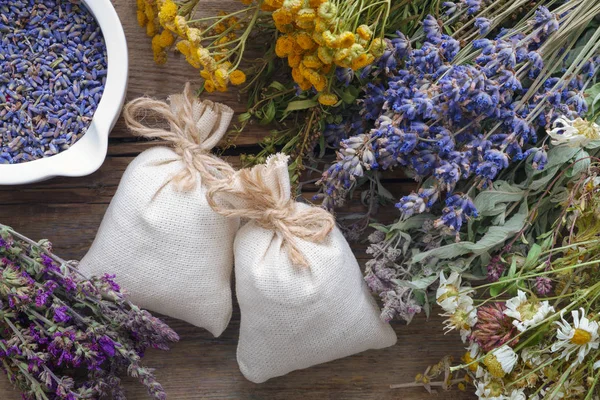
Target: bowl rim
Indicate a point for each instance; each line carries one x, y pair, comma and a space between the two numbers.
88, 154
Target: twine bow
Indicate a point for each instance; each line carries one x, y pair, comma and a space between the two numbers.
262, 194
196, 127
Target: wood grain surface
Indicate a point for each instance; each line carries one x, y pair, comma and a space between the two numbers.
69, 211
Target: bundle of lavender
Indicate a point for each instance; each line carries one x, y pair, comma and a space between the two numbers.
63, 336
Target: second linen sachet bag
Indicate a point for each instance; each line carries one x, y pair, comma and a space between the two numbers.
302, 296
160, 237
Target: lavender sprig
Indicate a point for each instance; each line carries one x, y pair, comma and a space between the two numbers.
63, 336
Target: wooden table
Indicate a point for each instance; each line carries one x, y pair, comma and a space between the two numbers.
69, 211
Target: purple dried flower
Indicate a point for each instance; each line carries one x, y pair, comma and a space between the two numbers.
61, 315
543, 285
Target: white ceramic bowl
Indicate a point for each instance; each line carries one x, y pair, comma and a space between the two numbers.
89, 152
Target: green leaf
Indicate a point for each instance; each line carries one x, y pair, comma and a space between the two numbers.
419, 284
532, 256
592, 96
495, 236
244, 117
416, 221
301, 105
496, 289
277, 86
489, 202
513, 268
593, 144
268, 113
582, 163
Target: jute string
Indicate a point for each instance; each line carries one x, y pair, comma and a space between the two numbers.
193, 134
272, 210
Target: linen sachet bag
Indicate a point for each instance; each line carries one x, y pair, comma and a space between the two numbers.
160, 237
301, 293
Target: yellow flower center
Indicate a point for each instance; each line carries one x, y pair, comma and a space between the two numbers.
581, 337
527, 310
586, 128
494, 366
468, 360
451, 291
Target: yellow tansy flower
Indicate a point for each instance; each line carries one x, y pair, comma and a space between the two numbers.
304, 85
330, 39
274, 3
325, 55
209, 86
346, 39
184, 47
328, 99
284, 46
327, 10
141, 18
220, 28
151, 29
312, 61
362, 61
321, 25
167, 12
364, 32
221, 77
149, 11
237, 77
166, 38
378, 47
194, 35
294, 60
179, 26
283, 16
292, 5
306, 15
205, 74
316, 3
305, 41
297, 75
321, 84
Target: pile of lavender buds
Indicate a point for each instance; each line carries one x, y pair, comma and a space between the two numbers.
53, 69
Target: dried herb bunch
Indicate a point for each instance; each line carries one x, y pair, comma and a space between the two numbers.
63, 336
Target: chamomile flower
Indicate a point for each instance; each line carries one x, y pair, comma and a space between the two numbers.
489, 388
501, 361
461, 318
517, 394
579, 338
525, 312
450, 293
575, 133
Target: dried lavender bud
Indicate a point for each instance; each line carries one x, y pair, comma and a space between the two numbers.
63, 336
53, 68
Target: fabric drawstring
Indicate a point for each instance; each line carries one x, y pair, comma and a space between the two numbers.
196, 127
258, 194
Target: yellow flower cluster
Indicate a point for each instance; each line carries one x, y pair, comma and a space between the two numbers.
314, 42
167, 28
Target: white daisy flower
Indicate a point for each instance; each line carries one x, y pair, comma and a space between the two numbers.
450, 294
489, 388
517, 394
462, 318
576, 133
526, 313
579, 338
501, 361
